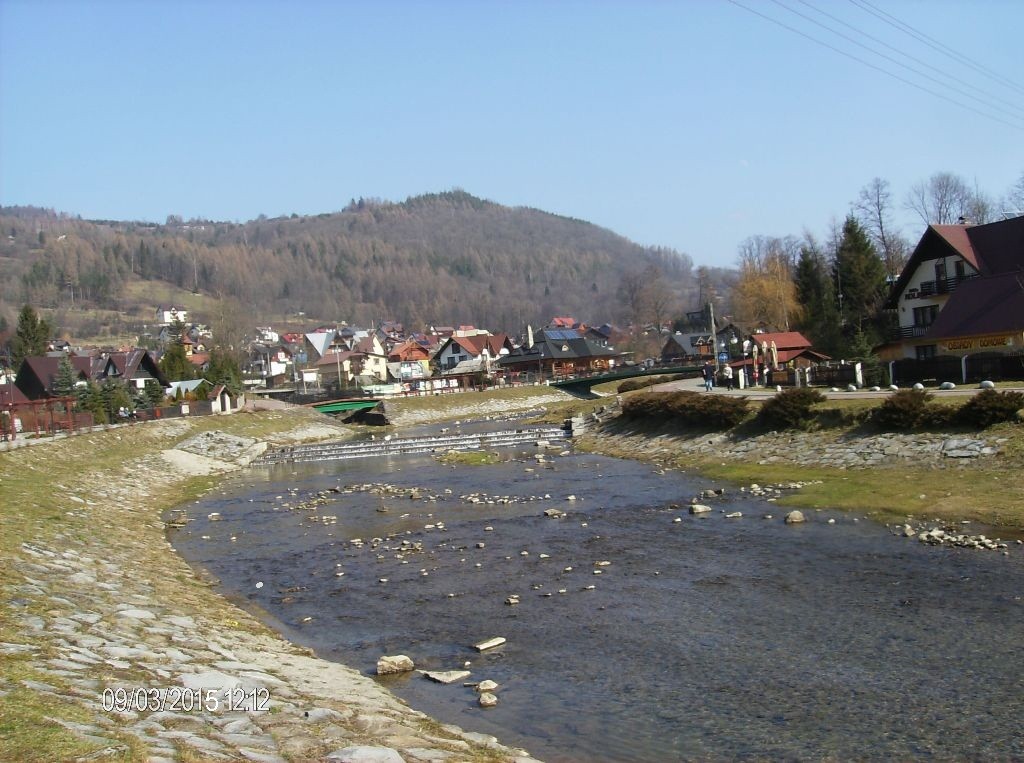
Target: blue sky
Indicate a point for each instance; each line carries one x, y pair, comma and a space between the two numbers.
691, 125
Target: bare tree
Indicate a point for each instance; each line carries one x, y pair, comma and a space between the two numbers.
1012, 204
874, 209
766, 292
941, 200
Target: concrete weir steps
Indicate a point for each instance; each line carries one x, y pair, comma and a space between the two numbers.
403, 445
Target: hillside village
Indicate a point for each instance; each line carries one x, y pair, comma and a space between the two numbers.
945, 326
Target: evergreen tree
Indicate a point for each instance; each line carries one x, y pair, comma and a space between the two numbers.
115, 397
175, 363
154, 393
91, 399
816, 292
224, 369
64, 381
860, 280
31, 338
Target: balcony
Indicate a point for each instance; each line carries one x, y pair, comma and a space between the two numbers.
943, 286
908, 332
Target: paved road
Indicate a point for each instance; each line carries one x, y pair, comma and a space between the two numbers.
755, 393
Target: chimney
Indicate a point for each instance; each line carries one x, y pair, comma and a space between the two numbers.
529, 336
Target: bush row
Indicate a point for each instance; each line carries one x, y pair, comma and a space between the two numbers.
648, 381
693, 409
913, 409
794, 409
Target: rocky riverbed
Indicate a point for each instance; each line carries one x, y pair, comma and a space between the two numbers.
121, 643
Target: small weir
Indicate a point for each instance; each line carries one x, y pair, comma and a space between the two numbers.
404, 445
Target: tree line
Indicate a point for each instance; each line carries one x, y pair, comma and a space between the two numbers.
832, 289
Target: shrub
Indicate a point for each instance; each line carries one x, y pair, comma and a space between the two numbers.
989, 407
791, 408
630, 385
905, 409
691, 409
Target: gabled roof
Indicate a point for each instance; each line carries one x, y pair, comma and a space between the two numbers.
784, 340
11, 394
990, 249
37, 373
320, 341
986, 305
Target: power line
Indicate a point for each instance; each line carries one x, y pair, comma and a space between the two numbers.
877, 68
891, 20
903, 53
895, 61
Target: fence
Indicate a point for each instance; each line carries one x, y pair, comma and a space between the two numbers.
971, 368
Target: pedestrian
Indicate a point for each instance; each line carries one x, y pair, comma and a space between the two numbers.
727, 373
708, 372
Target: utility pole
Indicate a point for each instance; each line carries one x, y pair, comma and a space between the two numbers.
714, 334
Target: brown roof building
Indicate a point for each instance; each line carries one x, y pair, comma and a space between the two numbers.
961, 293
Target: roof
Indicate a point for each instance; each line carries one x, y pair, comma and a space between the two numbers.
320, 340
332, 358
11, 394
991, 248
987, 305
191, 385
784, 340
44, 369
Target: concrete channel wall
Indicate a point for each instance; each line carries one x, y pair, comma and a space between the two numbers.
403, 445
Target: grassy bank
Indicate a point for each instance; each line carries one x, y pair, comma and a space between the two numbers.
984, 490
92, 504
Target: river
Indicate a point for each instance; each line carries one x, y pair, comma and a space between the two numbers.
705, 638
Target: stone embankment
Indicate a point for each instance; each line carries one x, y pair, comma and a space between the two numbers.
120, 642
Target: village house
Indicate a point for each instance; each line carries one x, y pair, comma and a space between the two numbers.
558, 353
134, 368
960, 294
171, 314
478, 347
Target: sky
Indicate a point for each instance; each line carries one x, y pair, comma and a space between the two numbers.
684, 124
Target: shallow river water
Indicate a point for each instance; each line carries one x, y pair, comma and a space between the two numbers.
704, 639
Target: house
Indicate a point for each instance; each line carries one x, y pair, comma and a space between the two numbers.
559, 352
198, 389
316, 344
338, 367
37, 374
134, 368
459, 349
780, 349
171, 314
375, 357
408, 361
961, 293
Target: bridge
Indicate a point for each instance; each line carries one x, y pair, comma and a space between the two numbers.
582, 385
345, 404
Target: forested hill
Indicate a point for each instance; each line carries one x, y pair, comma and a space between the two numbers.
438, 258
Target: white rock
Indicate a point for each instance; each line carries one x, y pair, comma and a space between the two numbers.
488, 700
446, 676
365, 754
987, 385
947, 385
398, 663
486, 685
734, 515
699, 508
489, 643
795, 517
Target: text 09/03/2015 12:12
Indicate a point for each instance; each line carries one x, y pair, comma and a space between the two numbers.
181, 699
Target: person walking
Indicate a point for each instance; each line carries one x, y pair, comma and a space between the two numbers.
708, 373
727, 373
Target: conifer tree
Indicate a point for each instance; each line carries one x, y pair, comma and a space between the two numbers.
860, 279
31, 337
64, 381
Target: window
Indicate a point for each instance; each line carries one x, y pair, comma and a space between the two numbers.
940, 270
925, 351
925, 316
958, 268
